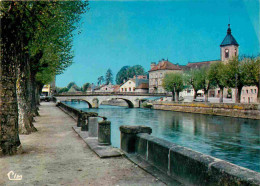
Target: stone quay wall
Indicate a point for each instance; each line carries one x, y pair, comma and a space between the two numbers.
183, 164
251, 111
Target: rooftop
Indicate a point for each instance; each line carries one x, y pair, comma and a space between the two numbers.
165, 65
229, 39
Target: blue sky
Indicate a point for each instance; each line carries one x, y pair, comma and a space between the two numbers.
119, 33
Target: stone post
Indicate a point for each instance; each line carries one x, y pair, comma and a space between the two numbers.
84, 126
128, 136
92, 126
80, 119
104, 132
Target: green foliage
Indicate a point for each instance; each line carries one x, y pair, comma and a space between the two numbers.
109, 76
85, 87
216, 74
100, 80
193, 78
147, 105
251, 70
127, 72
70, 85
122, 75
173, 82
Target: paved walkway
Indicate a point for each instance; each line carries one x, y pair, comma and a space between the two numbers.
55, 155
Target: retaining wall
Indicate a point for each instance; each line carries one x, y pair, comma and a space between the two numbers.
251, 111
191, 167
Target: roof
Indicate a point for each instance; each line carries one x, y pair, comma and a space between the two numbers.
229, 39
165, 65
200, 64
143, 86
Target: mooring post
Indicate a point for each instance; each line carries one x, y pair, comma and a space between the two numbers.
128, 136
80, 117
84, 126
92, 126
104, 132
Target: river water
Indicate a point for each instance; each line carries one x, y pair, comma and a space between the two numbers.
235, 140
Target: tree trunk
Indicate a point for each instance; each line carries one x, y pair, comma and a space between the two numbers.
221, 94
258, 91
173, 96
25, 116
9, 139
177, 96
195, 94
206, 93
238, 94
34, 97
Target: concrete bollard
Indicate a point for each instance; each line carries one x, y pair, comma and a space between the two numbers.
92, 126
80, 119
128, 136
104, 132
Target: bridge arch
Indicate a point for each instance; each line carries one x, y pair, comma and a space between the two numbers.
130, 104
89, 104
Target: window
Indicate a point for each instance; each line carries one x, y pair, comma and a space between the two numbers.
255, 90
129, 89
235, 52
126, 89
252, 91
122, 89
226, 53
134, 89
129, 82
247, 91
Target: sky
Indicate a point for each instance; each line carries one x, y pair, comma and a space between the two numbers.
119, 33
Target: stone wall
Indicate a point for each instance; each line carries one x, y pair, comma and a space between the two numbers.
251, 111
180, 163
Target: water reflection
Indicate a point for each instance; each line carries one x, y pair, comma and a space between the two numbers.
233, 139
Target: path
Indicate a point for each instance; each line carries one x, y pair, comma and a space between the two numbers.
55, 155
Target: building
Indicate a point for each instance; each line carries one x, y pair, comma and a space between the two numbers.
136, 84
128, 86
158, 72
228, 47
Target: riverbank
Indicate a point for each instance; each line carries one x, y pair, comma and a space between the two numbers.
55, 155
251, 111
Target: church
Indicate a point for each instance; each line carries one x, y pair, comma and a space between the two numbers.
229, 48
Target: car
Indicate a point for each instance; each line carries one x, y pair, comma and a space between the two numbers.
45, 98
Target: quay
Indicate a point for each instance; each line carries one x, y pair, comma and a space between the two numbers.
55, 155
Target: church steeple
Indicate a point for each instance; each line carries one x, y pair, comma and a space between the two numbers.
229, 46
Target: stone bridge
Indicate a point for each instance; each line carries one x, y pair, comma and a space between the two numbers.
95, 99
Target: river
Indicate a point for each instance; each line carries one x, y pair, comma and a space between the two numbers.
235, 140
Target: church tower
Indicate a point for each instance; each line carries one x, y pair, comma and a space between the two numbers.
228, 47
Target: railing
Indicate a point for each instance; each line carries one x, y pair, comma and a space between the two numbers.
110, 94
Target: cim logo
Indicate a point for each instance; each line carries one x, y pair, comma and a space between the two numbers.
13, 176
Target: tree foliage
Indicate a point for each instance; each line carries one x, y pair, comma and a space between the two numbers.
109, 77
173, 82
127, 72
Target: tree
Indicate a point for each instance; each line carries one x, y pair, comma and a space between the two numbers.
127, 72
121, 76
100, 80
217, 76
71, 84
9, 138
235, 75
109, 76
252, 73
34, 36
192, 77
173, 82
85, 87
204, 81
